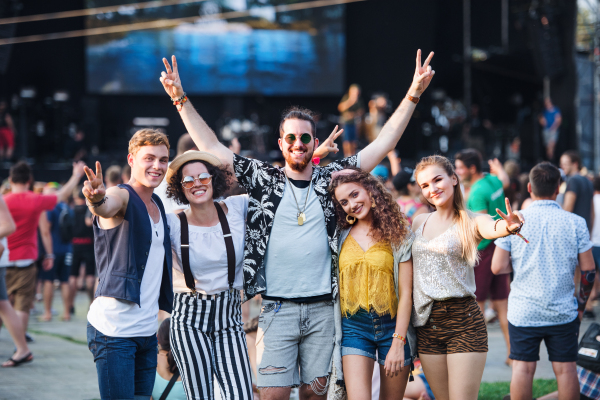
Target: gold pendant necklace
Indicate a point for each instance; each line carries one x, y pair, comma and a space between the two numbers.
301, 216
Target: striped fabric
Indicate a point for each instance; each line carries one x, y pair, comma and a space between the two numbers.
208, 342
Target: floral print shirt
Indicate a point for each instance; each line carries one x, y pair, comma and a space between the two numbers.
264, 184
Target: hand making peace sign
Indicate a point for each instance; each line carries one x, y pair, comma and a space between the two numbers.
170, 79
93, 188
329, 145
422, 77
513, 219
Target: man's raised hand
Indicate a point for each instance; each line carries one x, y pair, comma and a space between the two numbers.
170, 79
422, 77
329, 145
93, 187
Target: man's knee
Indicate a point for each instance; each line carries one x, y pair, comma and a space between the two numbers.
524, 367
275, 393
564, 368
315, 390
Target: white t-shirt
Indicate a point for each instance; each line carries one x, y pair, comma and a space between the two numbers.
596, 228
208, 254
169, 204
121, 318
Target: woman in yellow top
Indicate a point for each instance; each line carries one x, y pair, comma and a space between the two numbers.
375, 270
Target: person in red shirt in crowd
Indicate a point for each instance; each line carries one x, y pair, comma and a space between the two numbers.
26, 208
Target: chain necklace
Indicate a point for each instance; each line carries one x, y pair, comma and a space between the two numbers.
301, 215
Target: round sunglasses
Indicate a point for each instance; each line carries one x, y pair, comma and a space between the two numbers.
188, 181
305, 138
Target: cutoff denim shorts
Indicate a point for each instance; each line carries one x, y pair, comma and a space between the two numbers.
368, 334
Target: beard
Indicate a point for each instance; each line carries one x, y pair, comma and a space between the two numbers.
298, 166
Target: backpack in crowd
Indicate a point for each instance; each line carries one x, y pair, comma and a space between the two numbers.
66, 223
589, 349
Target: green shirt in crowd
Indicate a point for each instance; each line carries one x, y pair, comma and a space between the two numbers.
486, 195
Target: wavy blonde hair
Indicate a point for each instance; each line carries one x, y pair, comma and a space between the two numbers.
464, 219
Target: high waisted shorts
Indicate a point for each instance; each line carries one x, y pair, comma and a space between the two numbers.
454, 326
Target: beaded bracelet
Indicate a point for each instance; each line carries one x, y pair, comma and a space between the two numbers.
97, 204
398, 336
179, 99
179, 103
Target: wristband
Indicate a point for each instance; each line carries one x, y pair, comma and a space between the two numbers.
398, 336
50, 256
97, 204
413, 99
179, 103
179, 99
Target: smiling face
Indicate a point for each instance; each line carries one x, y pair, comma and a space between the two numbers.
149, 165
199, 193
297, 155
354, 199
437, 187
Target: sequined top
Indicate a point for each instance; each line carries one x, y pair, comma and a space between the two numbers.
439, 272
367, 278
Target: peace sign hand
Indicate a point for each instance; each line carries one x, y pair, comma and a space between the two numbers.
170, 79
514, 220
422, 77
329, 145
93, 188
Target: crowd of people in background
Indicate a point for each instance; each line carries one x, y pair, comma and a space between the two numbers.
422, 259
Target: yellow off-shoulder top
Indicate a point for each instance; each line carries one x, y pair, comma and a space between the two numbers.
367, 278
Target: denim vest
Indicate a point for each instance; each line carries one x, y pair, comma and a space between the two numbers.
122, 253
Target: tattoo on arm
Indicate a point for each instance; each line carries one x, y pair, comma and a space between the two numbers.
585, 287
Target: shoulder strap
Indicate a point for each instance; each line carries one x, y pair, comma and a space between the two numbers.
185, 253
170, 386
228, 245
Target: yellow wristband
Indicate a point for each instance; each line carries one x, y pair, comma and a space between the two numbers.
398, 336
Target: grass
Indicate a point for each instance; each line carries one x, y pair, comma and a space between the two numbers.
497, 390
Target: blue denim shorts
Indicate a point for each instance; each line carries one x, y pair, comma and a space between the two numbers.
368, 334
561, 342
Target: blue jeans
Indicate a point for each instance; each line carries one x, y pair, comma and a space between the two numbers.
126, 367
368, 334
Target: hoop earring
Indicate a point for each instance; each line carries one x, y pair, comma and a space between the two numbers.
348, 221
372, 203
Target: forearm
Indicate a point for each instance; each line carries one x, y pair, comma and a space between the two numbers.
403, 314
67, 189
585, 288
108, 209
490, 228
47, 241
389, 136
204, 137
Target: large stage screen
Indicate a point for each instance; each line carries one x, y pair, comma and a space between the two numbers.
232, 47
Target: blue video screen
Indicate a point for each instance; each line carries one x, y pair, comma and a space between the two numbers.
233, 47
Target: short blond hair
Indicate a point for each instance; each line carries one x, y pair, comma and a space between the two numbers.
147, 137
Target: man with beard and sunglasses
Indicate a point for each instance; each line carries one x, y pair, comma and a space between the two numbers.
290, 253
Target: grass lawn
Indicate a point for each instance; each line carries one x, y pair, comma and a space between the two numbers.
497, 390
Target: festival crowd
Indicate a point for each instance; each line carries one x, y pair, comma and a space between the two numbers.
355, 266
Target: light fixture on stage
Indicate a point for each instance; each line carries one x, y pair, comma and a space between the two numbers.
61, 96
28, 93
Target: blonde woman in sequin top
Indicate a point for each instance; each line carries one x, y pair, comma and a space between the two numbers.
451, 332
375, 275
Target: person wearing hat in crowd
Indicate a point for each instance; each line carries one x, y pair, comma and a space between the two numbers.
207, 337
133, 258
408, 192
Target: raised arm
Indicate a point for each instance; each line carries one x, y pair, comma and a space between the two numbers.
103, 203
65, 191
497, 169
491, 229
204, 137
392, 131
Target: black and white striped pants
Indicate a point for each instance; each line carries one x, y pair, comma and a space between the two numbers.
207, 341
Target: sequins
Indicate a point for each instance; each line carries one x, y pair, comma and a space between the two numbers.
439, 272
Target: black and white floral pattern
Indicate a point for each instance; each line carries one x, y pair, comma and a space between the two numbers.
264, 184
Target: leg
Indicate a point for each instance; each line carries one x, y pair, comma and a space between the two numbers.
277, 346
393, 388
522, 379
145, 367
501, 307
90, 287
15, 328
191, 348
435, 367
416, 390
358, 371
232, 365
115, 364
48, 294
65, 289
464, 375
566, 378
20, 285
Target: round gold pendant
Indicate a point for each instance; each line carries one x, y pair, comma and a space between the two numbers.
301, 219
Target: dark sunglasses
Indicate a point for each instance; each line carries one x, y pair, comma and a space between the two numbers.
188, 181
305, 138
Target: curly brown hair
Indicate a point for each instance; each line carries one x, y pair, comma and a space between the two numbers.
389, 223
222, 179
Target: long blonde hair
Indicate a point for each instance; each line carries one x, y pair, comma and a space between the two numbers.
464, 219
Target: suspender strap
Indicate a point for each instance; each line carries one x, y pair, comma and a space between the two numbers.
185, 249
228, 245
170, 386
185, 253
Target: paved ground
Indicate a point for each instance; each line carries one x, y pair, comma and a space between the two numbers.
64, 369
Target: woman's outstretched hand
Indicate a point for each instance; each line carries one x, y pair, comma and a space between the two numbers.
422, 77
170, 79
513, 219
